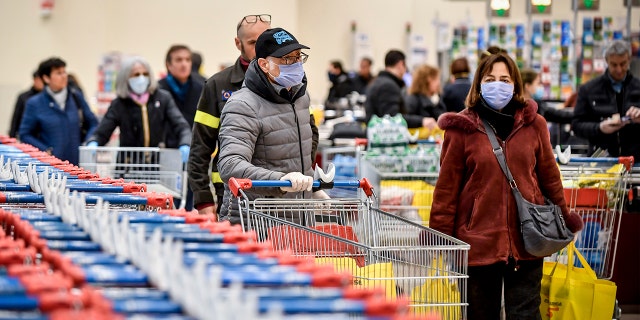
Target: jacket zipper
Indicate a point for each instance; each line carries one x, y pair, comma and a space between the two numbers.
295, 114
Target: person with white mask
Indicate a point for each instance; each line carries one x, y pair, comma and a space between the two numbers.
142, 111
265, 131
475, 203
58, 119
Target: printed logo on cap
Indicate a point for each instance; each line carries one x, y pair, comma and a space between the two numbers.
282, 36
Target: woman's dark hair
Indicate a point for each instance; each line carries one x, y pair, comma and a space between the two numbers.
491, 50
484, 67
460, 68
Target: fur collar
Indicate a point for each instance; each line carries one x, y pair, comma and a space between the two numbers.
468, 119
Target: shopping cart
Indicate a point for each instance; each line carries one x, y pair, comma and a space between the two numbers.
160, 169
596, 189
345, 159
405, 182
380, 249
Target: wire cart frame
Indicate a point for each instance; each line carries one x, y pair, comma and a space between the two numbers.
380, 249
159, 168
405, 184
596, 190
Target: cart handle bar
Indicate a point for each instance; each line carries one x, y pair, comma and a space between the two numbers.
626, 161
364, 142
242, 184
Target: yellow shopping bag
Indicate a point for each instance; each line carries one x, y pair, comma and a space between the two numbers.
569, 292
377, 275
439, 295
424, 133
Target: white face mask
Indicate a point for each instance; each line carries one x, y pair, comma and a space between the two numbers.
139, 84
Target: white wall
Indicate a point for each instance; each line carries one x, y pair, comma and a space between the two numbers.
80, 31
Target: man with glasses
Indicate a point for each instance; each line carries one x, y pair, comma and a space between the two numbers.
607, 112
215, 94
265, 131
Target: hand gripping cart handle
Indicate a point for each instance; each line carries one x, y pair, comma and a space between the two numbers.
242, 184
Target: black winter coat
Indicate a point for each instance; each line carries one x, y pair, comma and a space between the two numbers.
187, 107
454, 94
384, 96
597, 101
127, 115
418, 104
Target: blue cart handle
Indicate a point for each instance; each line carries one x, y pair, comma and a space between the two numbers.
242, 184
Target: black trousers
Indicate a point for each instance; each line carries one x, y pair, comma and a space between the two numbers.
521, 290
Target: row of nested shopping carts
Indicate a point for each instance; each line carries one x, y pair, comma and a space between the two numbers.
78, 245
595, 188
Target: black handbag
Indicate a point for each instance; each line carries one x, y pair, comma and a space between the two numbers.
544, 231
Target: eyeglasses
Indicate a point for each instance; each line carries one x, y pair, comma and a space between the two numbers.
293, 59
254, 18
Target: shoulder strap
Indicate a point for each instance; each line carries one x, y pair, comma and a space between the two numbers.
499, 153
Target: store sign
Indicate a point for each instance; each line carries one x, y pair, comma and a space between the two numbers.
588, 5
540, 9
500, 8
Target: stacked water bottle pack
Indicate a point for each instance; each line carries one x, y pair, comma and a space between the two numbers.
66, 254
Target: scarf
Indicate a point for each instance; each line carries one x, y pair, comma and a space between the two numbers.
244, 64
59, 97
140, 99
180, 89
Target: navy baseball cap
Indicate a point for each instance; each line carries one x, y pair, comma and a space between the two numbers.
276, 42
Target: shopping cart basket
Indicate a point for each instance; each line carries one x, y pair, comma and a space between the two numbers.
160, 169
380, 249
406, 183
596, 189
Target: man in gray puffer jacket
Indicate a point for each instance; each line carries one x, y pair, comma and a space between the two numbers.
265, 131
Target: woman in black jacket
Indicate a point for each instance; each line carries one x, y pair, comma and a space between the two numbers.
423, 99
141, 111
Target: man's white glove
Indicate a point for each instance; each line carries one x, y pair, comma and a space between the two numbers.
321, 195
299, 182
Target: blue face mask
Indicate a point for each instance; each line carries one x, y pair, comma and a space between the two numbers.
497, 94
139, 84
539, 94
290, 75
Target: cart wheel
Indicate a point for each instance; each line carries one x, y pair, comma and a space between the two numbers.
617, 311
